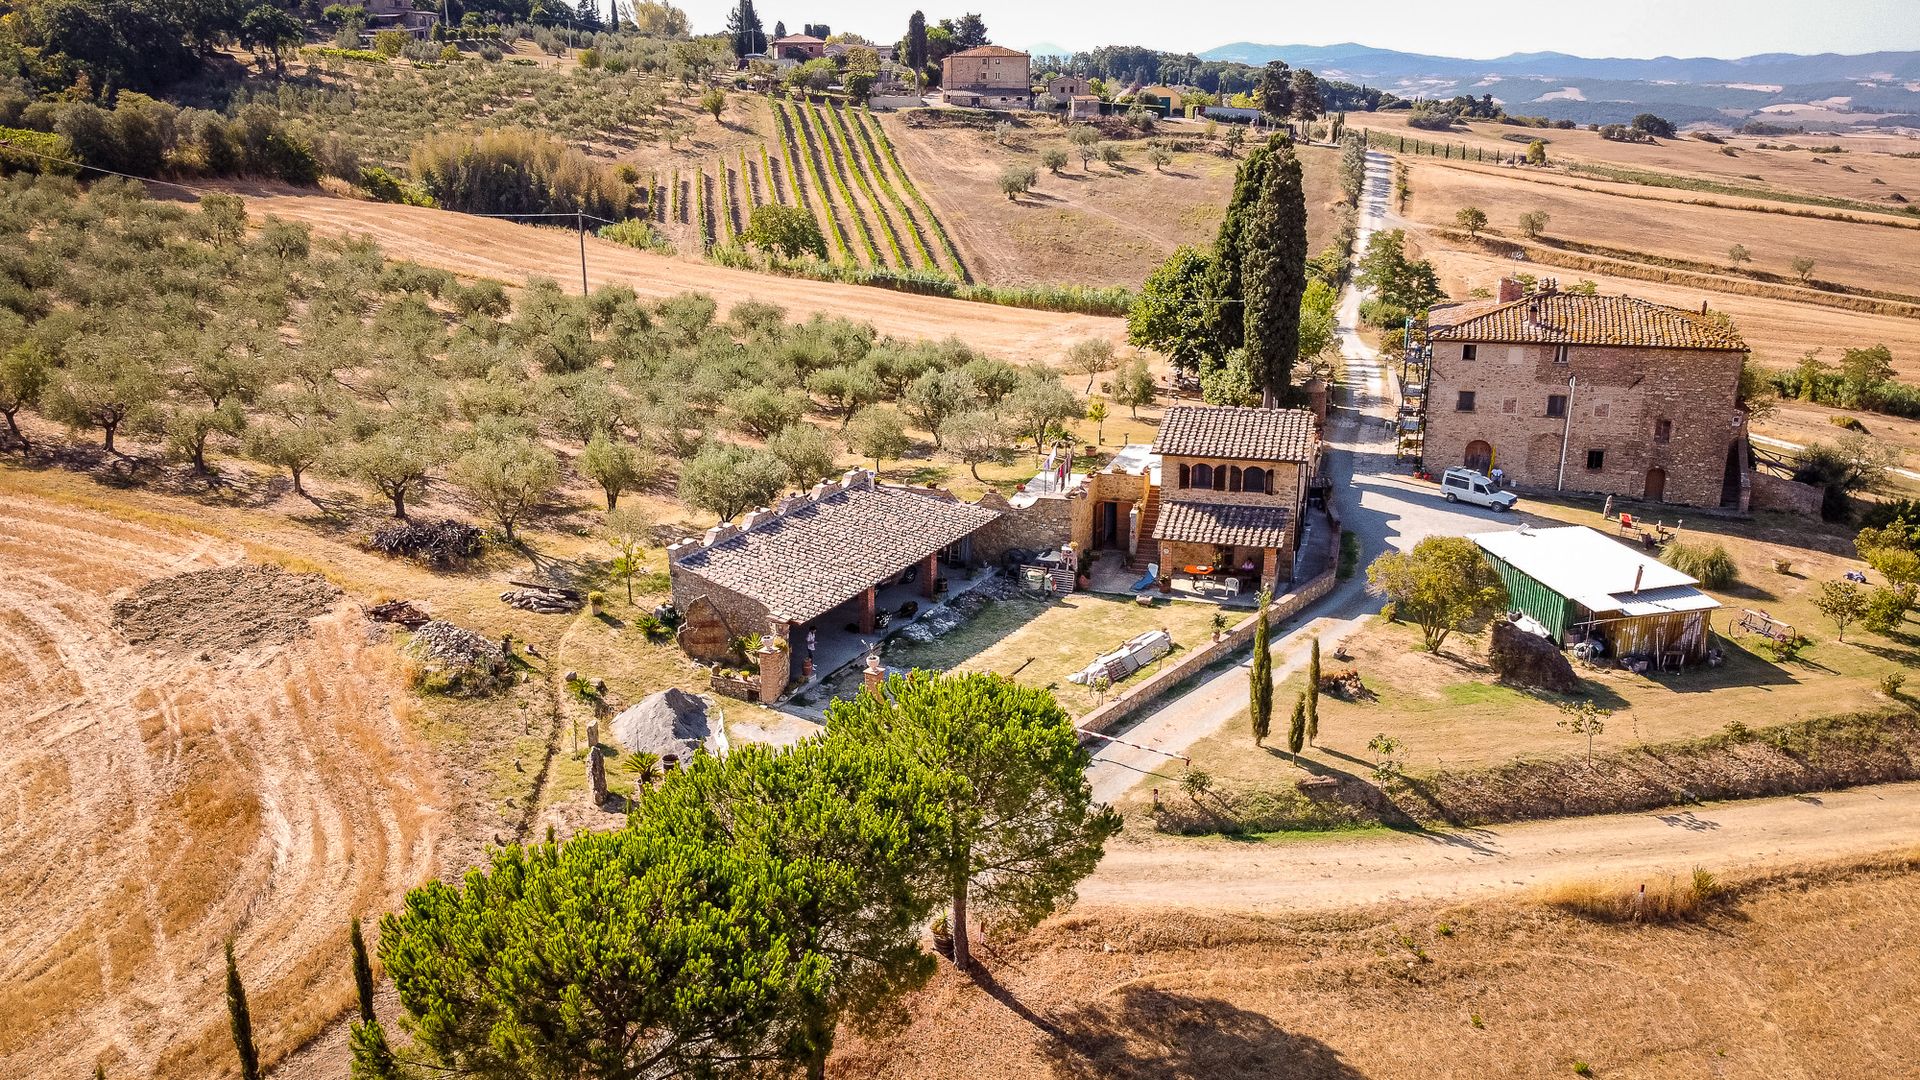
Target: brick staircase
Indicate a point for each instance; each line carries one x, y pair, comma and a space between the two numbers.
1148, 549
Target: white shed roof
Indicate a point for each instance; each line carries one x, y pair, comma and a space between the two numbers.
1598, 573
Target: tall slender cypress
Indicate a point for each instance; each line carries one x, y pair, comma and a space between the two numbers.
1313, 693
362, 971
1274, 275
241, 1020
1260, 676
1297, 730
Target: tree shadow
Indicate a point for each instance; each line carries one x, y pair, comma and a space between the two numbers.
1146, 1032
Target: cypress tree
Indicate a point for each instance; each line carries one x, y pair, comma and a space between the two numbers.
1274, 275
1260, 676
1226, 322
241, 1020
99, 1071
1297, 730
1313, 693
362, 971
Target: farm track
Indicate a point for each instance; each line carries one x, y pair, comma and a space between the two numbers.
511, 252
157, 805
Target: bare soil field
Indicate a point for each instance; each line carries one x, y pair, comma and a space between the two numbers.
510, 252
1858, 255
1848, 175
1087, 226
160, 802
1791, 978
1778, 331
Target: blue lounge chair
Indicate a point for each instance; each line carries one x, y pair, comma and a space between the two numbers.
1147, 579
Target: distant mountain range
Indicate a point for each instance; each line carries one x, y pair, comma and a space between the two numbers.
1824, 90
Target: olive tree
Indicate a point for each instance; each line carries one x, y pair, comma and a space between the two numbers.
508, 477
1443, 584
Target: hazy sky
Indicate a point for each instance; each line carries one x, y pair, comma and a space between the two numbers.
1477, 28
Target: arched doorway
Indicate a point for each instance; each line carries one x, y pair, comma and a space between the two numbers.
1479, 456
1656, 484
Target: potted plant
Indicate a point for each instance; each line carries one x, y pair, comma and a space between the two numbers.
1219, 625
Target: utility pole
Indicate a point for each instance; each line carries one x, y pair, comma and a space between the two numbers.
580, 223
1566, 434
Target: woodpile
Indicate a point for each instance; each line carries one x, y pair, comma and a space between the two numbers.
435, 543
1525, 659
455, 660
542, 599
402, 612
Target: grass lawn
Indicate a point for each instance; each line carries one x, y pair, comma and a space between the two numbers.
1041, 642
1448, 712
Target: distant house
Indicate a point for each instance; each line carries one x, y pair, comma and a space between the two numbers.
1062, 89
1164, 100
988, 77
398, 15
1608, 395
799, 48
1085, 107
1577, 586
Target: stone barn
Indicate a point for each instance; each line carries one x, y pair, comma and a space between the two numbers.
822, 559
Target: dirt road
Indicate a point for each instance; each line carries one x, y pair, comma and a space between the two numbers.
1225, 875
512, 252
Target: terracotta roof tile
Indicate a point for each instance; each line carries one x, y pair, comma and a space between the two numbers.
805, 563
1574, 319
1228, 432
1223, 523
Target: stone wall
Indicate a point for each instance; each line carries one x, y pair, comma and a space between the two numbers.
1621, 396
1289, 481
1772, 492
1047, 524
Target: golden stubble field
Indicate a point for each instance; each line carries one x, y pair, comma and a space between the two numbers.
157, 804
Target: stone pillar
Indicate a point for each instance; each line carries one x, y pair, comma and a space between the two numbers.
597, 775
868, 600
776, 661
929, 575
874, 676
1270, 570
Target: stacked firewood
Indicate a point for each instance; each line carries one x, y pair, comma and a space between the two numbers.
436, 543
543, 599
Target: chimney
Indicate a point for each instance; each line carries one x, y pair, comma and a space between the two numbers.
1511, 290
1638, 573
1533, 313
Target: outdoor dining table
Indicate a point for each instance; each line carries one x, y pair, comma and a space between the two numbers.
1199, 571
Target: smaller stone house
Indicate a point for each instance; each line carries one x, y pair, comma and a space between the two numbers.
987, 77
399, 15
1232, 491
1084, 107
1062, 89
822, 555
1606, 395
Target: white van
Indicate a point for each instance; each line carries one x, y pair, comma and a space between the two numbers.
1464, 485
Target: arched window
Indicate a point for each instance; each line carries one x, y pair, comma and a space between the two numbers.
1257, 481
1219, 478
1233, 477
1183, 476
1203, 476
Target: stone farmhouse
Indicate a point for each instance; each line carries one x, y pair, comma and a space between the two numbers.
1062, 89
798, 48
1232, 493
987, 77
1606, 395
398, 15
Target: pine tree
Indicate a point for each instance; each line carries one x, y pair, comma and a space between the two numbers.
240, 1020
1313, 693
1260, 676
362, 971
1297, 730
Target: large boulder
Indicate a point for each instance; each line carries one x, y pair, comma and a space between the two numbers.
1527, 659
670, 722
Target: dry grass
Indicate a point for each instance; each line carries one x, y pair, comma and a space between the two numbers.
1794, 978
1094, 226
1664, 900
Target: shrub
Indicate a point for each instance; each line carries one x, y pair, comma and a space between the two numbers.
517, 172
651, 628
1891, 682
635, 233
1674, 899
1711, 565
